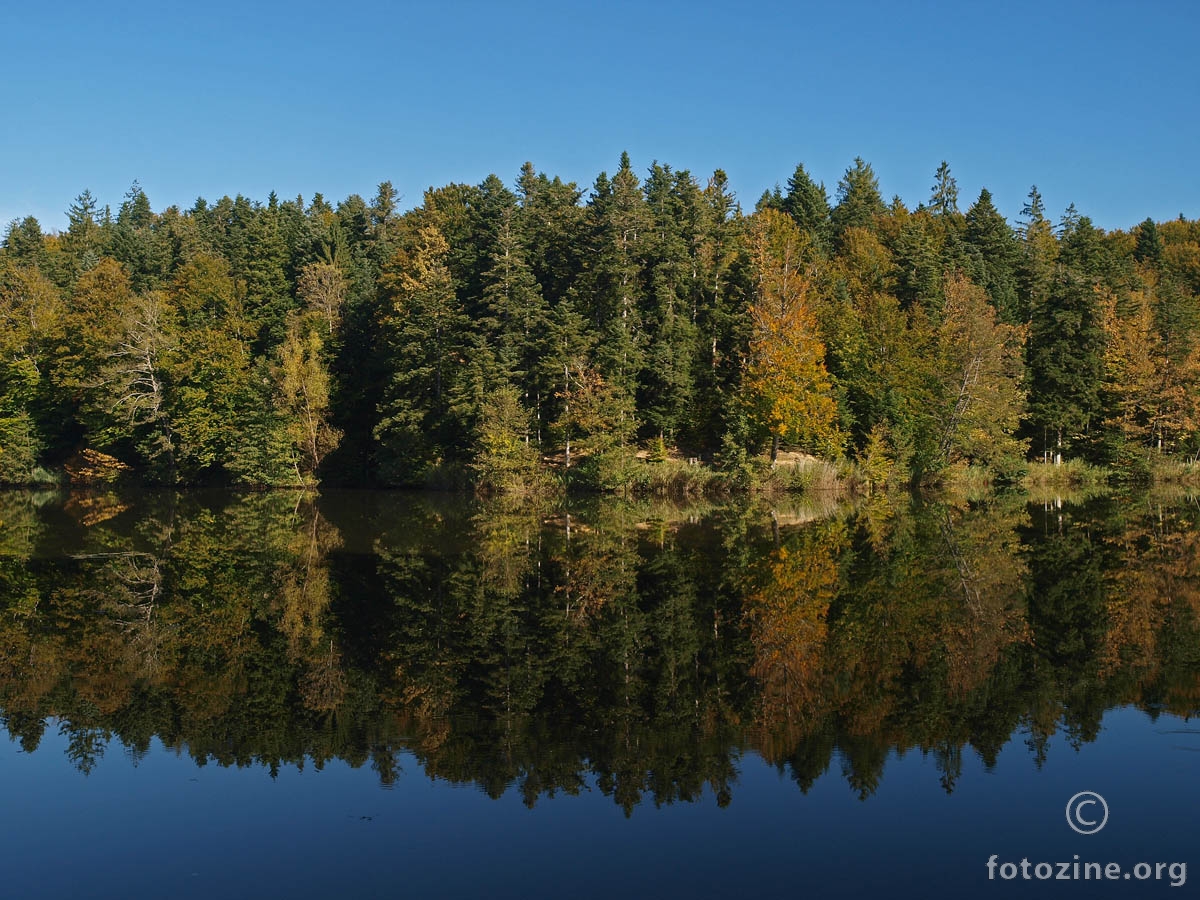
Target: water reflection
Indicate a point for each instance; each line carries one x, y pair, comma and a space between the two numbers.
642, 648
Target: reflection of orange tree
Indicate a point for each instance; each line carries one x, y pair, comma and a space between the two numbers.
787, 610
1152, 594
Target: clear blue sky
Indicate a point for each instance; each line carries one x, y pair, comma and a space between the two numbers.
1095, 102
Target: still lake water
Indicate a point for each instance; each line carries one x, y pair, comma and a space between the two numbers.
386, 695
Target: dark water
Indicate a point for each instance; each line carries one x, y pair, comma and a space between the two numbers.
212, 695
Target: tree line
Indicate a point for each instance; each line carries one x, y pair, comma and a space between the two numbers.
511, 336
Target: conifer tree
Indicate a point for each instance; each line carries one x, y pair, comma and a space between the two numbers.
424, 327
1039, 252
515, 316
621, 231
268, 300
992, 242
943, 198
554, 230
1065, 359
808, 204
84, 241
1149, 244
24, 242
665, 386
858, 200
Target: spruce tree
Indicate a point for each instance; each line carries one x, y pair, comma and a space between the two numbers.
808, 205
616, 291
943, 198
425, 334
1039, 252
1065, 366
1149, 244
990, 239
858, 200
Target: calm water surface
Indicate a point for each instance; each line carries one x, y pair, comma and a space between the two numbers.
398, 695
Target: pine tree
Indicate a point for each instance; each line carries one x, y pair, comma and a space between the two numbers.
917, 252
553, 226
720, 318
133, 243
505, 459
565, 347
665, 385
515, 317
268, 300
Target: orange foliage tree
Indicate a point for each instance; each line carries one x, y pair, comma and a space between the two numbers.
789, 390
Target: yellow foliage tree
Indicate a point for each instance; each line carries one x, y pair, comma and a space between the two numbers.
303, 385
980, 374
788, 388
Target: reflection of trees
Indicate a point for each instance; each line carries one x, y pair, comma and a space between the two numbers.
640, 649
787, 610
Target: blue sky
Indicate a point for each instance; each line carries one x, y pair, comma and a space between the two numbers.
1095, 102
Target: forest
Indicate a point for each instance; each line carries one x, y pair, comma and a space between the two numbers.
547, 336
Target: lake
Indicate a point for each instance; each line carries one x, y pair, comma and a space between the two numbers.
400, 694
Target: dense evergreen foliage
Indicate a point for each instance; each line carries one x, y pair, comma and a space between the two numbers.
515, 336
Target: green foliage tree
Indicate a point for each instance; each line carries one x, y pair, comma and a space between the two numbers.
808, 204
424, 327
992, 243
1149, 244
506, 459
30, 313
1065, 366
943, 197
615, 289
